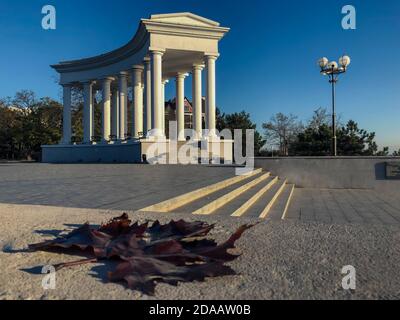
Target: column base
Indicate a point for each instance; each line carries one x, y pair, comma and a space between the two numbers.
65, 143
211, 138
155, 134
105, 142
155, 138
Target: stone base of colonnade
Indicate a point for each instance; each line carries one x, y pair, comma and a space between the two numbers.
92, 153
163, 151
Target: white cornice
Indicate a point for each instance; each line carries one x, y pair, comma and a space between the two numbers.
178, 24
184, 30
189, 15
135, 45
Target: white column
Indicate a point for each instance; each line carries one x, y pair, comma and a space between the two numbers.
156, 79
94, 94
66, 114
114, 113
137, 101
123, 103
210, 97
163, 105
197, 100
180, 105
147, 96
106, 109
88, 112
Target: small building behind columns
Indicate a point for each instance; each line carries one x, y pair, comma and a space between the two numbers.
170, 112
165, 50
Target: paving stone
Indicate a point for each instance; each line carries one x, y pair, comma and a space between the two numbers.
132, 187
342, 207
104, 186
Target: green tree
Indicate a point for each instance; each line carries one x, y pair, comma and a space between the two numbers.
219, 120
353, 141
10, 126
243, 121
46, 124
26, 123
383, 153
316, 139
313, 141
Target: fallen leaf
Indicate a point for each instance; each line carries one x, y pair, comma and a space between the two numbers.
170, 253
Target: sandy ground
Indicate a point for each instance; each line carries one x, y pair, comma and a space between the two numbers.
280, 260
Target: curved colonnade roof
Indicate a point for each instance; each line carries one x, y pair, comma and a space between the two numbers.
185, 39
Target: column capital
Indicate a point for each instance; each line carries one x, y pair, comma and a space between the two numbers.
211, 55
123, 74
137, 71
198, 66
155, 50
89, 82
181, 75
107, 79
137, 67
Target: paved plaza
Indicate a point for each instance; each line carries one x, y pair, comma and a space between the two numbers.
102, 186
132, 187
344, 206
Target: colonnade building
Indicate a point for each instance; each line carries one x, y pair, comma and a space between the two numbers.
166, 47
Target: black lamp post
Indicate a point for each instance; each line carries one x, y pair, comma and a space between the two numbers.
332, 70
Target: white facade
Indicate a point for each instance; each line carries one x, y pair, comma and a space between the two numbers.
165, 47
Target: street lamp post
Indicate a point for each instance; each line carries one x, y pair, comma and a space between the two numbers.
332, 70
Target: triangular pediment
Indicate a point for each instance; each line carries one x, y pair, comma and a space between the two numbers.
184, 18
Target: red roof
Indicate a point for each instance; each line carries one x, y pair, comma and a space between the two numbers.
188, 105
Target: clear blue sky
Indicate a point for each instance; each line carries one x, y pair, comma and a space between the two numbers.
267, 63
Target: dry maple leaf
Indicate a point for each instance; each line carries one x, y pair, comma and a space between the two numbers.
170, 253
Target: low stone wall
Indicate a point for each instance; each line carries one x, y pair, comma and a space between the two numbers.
133, 152
330, 172
107, 153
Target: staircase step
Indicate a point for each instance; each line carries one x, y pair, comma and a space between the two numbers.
263, 202
246, 204
226, 198
236, 203
182, 200
199, 203
281, 205
270, 203
278, 192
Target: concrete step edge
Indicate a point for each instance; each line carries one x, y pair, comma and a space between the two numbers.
181, 200
246, 206
269, 205
221, 201
289, 199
